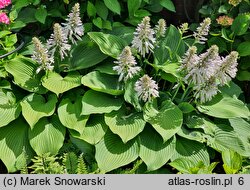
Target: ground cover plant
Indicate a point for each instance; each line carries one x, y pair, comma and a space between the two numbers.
144, 97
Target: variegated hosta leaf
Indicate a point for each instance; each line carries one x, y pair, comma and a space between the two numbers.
191, 150
54, 82
14, 145
8, 113
126, 126
102, 82
35, 107
225, 107
70, 116
96, 102
112, 153
109, 44
224, 138
242, 129
47, 136
167, 121
86, 54
24, 72
94, 130
7, 97
130, 94
153, 151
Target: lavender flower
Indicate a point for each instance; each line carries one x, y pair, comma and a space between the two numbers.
204, 66
41, 56
126, 65
144, 39
190, 60
228, 68
208, 71
146, 88
58, 41
74, 27
207, 91
202, 31
160, 28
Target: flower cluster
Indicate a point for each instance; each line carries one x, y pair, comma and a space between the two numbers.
126, 65
3, 16
160, 28
146, 88
41, 56
58, 41
144, 38
183, 28
225, 20
73, 27
207, 71
202, 31
144, 41
4, 3
234, 2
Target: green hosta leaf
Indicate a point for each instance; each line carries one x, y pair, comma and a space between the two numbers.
130, 94
102, 82
47, 136
24, 73
224, 138
13, 141
191, 150
232, 161
41, 14
58, 84
225, 107
167, 121
153, 151
113, 5
94, 130
35, 106
109, 44
112, 153
97, 102
86, 54
70, 116
9, 113
126, 126
168, 4
242, 128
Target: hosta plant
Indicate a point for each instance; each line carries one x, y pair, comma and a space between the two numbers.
160, 97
